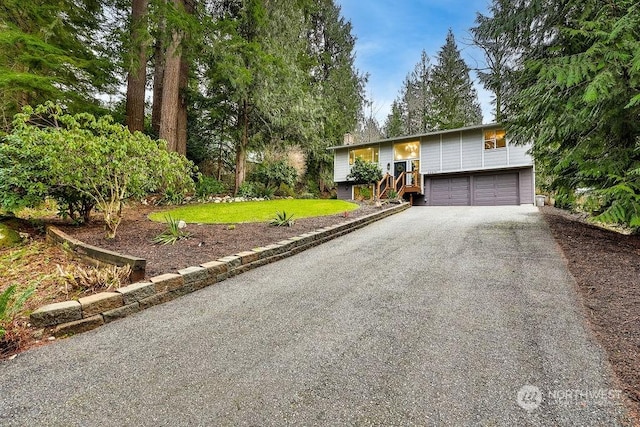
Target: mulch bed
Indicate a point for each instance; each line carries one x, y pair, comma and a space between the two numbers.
206, 243
606, 267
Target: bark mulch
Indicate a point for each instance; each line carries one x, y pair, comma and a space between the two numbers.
606, 267
207, 242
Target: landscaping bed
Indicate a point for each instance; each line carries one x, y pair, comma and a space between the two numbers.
36, 263
606, 267
206, 242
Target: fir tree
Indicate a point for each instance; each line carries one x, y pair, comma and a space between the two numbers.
418, 99
51, 51
454, 98
393, 126
575, 93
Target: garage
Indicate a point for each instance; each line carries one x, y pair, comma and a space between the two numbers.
495, 190
450, 191
480, 189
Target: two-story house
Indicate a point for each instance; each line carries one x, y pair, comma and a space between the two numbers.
475, 165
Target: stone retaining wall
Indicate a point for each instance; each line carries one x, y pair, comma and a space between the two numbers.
94, 254
89, 312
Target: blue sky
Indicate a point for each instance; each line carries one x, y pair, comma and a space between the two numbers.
391, 34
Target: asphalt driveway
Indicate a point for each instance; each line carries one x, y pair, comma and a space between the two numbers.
435, 316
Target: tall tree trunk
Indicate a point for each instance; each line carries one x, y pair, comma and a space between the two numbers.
241, 149
181, 131
220, 153
137, 77
158, 78
171, 93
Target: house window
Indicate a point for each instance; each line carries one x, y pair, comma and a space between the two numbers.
363, 192
494, 139
369, 154
406, 150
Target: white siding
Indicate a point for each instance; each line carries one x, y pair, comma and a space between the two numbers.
385, 155
430, 155
518, 155
472, 146
341, 165
451, 152
464, 151
495, 158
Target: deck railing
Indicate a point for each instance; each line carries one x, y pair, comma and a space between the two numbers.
399, 184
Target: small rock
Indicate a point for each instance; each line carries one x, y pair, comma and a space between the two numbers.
182, 224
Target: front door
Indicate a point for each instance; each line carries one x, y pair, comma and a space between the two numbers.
398, 168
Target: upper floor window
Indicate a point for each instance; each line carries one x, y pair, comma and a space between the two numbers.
369, 154
494, 139
406, 150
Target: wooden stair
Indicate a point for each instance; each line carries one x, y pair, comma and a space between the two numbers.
399, 184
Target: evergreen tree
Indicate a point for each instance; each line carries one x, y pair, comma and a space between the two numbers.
455, 100
284, 73
576, 96
418, 98
393, 126
51, 51
336, 80
499, 57
412, 112
136, 64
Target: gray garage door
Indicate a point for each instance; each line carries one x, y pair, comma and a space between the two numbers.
450, 191
494, 190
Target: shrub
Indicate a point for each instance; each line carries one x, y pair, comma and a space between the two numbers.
392, 194
263, 191
365, 193
208, 186
90, 159
171, 197
274, 174
365, 172
285, 191
247, 190
72, 203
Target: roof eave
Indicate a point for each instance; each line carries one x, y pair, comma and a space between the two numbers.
415, 136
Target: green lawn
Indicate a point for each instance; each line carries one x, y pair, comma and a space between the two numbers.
237, 212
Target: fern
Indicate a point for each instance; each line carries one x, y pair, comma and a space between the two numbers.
9, 307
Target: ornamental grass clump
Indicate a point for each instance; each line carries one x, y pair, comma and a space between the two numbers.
282, 220
173, 233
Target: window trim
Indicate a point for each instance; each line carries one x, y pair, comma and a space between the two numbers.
491, 138
375, 155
